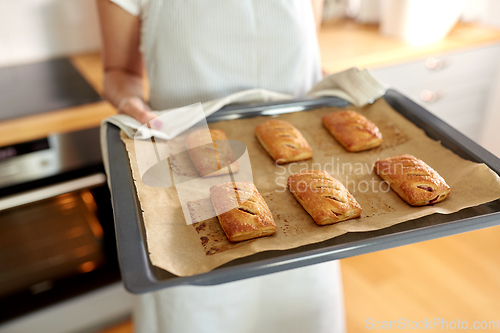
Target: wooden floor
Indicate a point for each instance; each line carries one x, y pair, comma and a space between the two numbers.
452, 278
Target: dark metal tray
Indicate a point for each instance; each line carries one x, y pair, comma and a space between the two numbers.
140, 275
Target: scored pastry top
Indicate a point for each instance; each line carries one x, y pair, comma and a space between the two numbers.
209, 156
323, 197
283, 141
242, 211
353, 130
415, 181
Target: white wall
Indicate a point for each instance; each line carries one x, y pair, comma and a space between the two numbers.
490, 136
368, 11
35, 30
492, 15
484, 11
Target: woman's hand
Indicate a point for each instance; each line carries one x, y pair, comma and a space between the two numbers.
136, 108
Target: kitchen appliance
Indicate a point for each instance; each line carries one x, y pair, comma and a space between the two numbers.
140, 275
41, 87
58, 263
419, 22
57, 238
364, 11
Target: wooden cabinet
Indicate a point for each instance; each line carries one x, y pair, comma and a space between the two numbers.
456, 87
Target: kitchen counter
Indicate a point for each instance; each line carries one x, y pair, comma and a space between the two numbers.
343, 44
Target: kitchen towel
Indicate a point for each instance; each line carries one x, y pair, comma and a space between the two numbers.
356, 86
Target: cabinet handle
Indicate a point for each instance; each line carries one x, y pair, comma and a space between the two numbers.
434, 64
429, 96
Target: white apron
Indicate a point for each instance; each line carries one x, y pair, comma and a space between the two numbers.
198, 50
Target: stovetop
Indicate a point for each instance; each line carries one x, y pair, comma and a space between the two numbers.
41, 87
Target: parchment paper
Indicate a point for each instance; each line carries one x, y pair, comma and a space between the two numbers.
192, 249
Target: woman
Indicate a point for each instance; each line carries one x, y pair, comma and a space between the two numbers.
195, 51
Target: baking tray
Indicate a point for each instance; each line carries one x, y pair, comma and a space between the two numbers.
140, 276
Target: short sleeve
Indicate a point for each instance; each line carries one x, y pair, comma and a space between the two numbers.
134, 7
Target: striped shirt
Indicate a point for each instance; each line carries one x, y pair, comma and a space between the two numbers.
197, 50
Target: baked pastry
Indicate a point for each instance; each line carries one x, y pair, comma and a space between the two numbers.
323, 197
243, 214
353, 130
283, 141
209, 157
413, 180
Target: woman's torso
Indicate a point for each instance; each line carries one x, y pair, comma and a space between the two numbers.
201, 50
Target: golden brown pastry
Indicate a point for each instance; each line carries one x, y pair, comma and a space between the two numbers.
283, 141
323, 197
413, 180
243, 214
353, 130
209, 158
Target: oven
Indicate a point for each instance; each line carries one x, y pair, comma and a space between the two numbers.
57, 238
